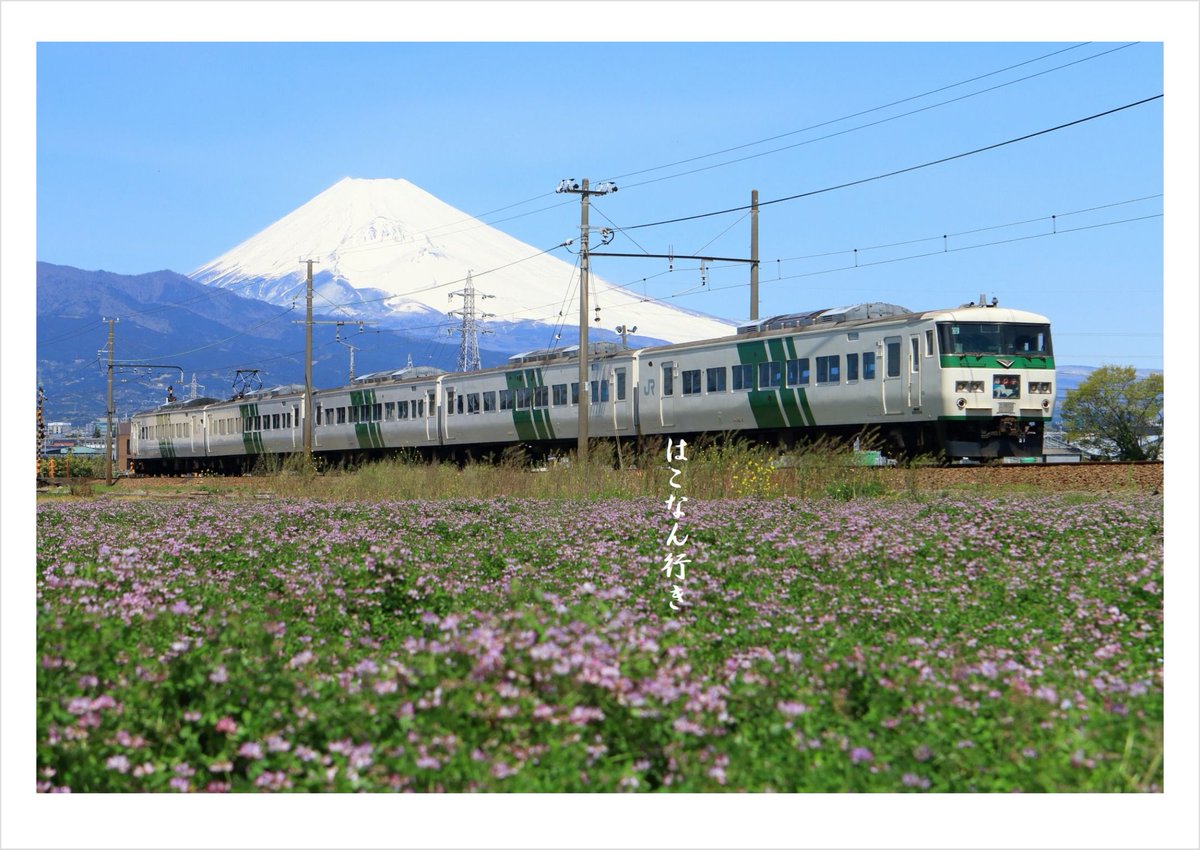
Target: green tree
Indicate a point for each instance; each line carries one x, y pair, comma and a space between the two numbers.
1117, 414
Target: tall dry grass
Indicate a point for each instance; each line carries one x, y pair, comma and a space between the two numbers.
715, 469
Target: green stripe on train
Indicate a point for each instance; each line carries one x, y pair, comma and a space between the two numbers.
992, 361
531, 423
369, 435
251, 439
779, 407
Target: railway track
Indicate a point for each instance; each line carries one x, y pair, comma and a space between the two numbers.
1099, 476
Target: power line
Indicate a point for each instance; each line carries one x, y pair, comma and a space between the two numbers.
476, 221
869, 124
899, 171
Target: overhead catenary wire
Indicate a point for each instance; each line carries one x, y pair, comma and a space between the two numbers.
476, 221
899, 171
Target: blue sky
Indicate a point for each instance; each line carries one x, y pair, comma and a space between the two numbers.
165, 155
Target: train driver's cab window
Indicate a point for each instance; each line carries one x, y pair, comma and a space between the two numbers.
994, 338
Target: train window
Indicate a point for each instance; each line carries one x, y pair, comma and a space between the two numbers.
275, 420
743, 377
258, 423
668, 379
851, 367
449, 402
893, 359
599, 392
929, 343
798, 372
691, 381
460, 403
506, 399
389, 411
574, 392
524, 398
377, 414
489, 401
402, 410
770, 375
868, 365
915, 361
716, 379
419, 404
541, 396
620, 373
560, 394
472, 402
341, 416
829, 369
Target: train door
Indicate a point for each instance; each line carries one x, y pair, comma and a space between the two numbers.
432, 419
666, 393
893, 375
621, 398
450, 427
914, 371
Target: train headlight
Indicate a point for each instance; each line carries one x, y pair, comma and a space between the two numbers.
968, 386
1039, 387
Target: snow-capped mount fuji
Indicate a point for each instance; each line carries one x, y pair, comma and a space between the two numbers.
392, 253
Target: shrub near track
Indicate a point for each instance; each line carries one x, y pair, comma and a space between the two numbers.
502, 645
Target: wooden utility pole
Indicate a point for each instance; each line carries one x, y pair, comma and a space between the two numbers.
569, 185
108, 443
308, 385
753, 254
584, 396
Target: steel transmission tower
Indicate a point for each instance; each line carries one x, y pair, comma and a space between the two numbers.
468, 350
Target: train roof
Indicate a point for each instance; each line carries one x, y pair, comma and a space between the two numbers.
175, 406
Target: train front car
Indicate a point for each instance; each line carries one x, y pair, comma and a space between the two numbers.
997, 382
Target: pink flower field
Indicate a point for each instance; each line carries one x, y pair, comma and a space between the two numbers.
898, 645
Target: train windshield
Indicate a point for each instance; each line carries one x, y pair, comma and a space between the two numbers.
994, 338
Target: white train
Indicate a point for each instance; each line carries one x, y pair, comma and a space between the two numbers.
974, 382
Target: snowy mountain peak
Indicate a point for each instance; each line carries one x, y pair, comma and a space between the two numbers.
387, 249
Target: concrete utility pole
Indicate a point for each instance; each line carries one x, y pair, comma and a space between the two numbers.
308, 388
569, 185
108, 443
753, 254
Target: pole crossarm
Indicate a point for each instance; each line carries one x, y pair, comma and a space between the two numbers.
676, 257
